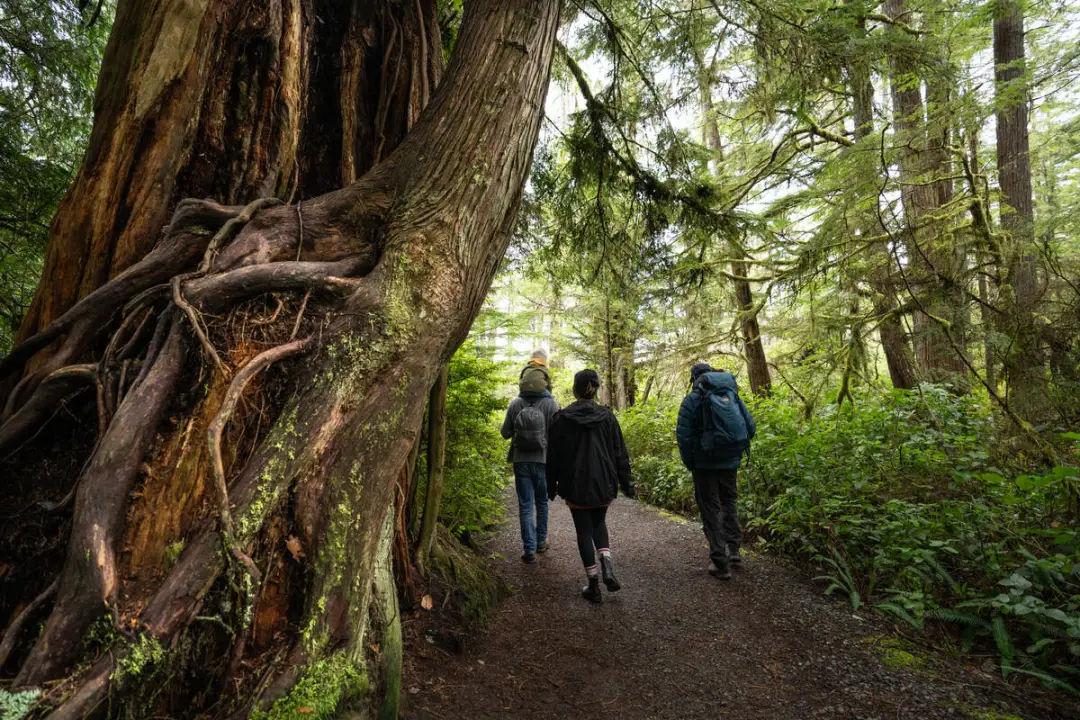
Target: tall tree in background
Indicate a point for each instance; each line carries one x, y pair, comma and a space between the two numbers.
1024, 366
50, 52
170, 320
930, 262
894, 342
757, 367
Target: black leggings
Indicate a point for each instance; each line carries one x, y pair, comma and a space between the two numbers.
591, 527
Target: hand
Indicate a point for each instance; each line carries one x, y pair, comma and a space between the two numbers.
630, 491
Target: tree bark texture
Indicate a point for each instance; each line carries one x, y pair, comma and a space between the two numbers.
1024, 366
234, 101
280, 505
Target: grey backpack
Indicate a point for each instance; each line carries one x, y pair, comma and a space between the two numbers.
530, 428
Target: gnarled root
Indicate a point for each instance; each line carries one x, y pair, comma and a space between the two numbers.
52, 391
213, 433
89, 580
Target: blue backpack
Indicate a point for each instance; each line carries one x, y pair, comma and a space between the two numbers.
724, 433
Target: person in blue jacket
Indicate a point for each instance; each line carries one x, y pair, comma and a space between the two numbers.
714, 429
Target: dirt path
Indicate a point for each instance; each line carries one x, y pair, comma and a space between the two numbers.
677, 643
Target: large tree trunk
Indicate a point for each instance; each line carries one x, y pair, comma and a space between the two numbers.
392, 268
921, 189
894, 343
1024, 366
757, 366
234, 101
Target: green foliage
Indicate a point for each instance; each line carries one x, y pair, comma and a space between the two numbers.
902, 502
14, 706
141, 654
469, 578
50, 53
661, 479
476, 469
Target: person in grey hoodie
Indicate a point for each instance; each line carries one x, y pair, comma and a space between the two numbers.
526, 425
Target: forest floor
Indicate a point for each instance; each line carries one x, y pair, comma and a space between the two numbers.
678, 643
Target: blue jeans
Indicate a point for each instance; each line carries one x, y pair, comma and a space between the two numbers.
530, 480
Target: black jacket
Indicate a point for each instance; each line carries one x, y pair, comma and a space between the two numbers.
587, 459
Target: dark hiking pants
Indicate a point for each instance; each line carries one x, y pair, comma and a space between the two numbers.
590, 525
715, 491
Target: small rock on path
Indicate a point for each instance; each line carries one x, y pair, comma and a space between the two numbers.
678, 643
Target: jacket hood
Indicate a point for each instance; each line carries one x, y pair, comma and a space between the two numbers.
585, 412
712, 381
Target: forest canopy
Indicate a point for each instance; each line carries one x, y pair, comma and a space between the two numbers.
265, 271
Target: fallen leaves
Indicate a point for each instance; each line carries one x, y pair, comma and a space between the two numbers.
293, 544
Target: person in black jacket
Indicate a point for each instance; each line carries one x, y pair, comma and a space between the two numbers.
587, 464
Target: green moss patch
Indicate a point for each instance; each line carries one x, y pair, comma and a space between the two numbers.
327, 684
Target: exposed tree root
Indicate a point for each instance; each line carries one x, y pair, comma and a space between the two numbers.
50, 393
13, 630
196, 324
89, 579
185, 241
228, 406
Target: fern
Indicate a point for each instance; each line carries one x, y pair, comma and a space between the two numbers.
958, 617
16, 705
1004, 645
1049, 681
901, 613
843, 580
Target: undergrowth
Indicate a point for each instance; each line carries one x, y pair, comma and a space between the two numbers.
916, 504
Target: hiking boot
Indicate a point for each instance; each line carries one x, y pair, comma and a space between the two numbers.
542, 546
591, 592
529, 558
721, 572
734, 556
609, 573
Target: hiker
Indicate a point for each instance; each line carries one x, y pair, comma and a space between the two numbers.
588, 462
713, 431
535, 376
526, 426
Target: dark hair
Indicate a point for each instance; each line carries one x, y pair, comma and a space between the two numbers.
698, 370
586, 383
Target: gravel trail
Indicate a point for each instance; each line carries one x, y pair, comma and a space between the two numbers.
677, 643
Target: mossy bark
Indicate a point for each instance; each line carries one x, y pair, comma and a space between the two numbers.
392, 270
436, 465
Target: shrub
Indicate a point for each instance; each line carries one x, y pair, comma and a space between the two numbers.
661, 479
901, 499
476, 469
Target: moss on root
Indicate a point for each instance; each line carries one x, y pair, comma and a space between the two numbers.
144, 652
326, 686
387, 622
